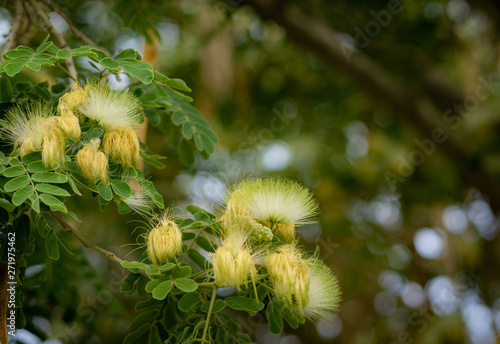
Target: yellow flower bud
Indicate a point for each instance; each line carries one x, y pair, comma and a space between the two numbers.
122, 145
93, 164
232, 267
164, 241
29, 146
290, 275
74, 98
53, 149
69, 124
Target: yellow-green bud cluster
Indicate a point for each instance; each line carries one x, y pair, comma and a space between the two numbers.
122, 145
290, 275
256, 210
93, 163
164, 241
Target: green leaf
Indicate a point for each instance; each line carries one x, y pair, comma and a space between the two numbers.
37, 166
205, 244
16, 183
162, 290
193, 209
153, 284
144, 317
35, 204
5, 90
185, 284
186, 153
128, 284
219, 305
145, 304
178, 84
133, 265
7, 205
105, 191
53, 203
49, 177
65, 245
183, 272
274, 318
95, 132
198, 258
154, 336
244, 304
123, 208
52, 189
167, 267
14, 171
22, 195
121, 188
51, 245
132, 337
189, 301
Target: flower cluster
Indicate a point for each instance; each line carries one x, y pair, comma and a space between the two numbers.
36, 126
258, 234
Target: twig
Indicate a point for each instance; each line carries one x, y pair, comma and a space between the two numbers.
87, 243
78, 34
60, 39
16, 28
205, 330
109, 255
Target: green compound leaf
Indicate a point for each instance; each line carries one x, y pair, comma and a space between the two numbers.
244, 304
162, 290
193, 127
130, 62
185, 284
24, 57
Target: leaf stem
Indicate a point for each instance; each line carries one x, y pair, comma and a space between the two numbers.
212, 302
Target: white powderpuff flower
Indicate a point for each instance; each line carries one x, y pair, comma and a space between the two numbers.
27, 125
277, 201
110, 108
324, 293
279, 204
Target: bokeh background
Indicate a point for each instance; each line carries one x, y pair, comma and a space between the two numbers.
387, 110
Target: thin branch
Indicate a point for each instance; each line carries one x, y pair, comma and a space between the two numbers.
15, 30
60, 39
78, 34
108, 254
87, 243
